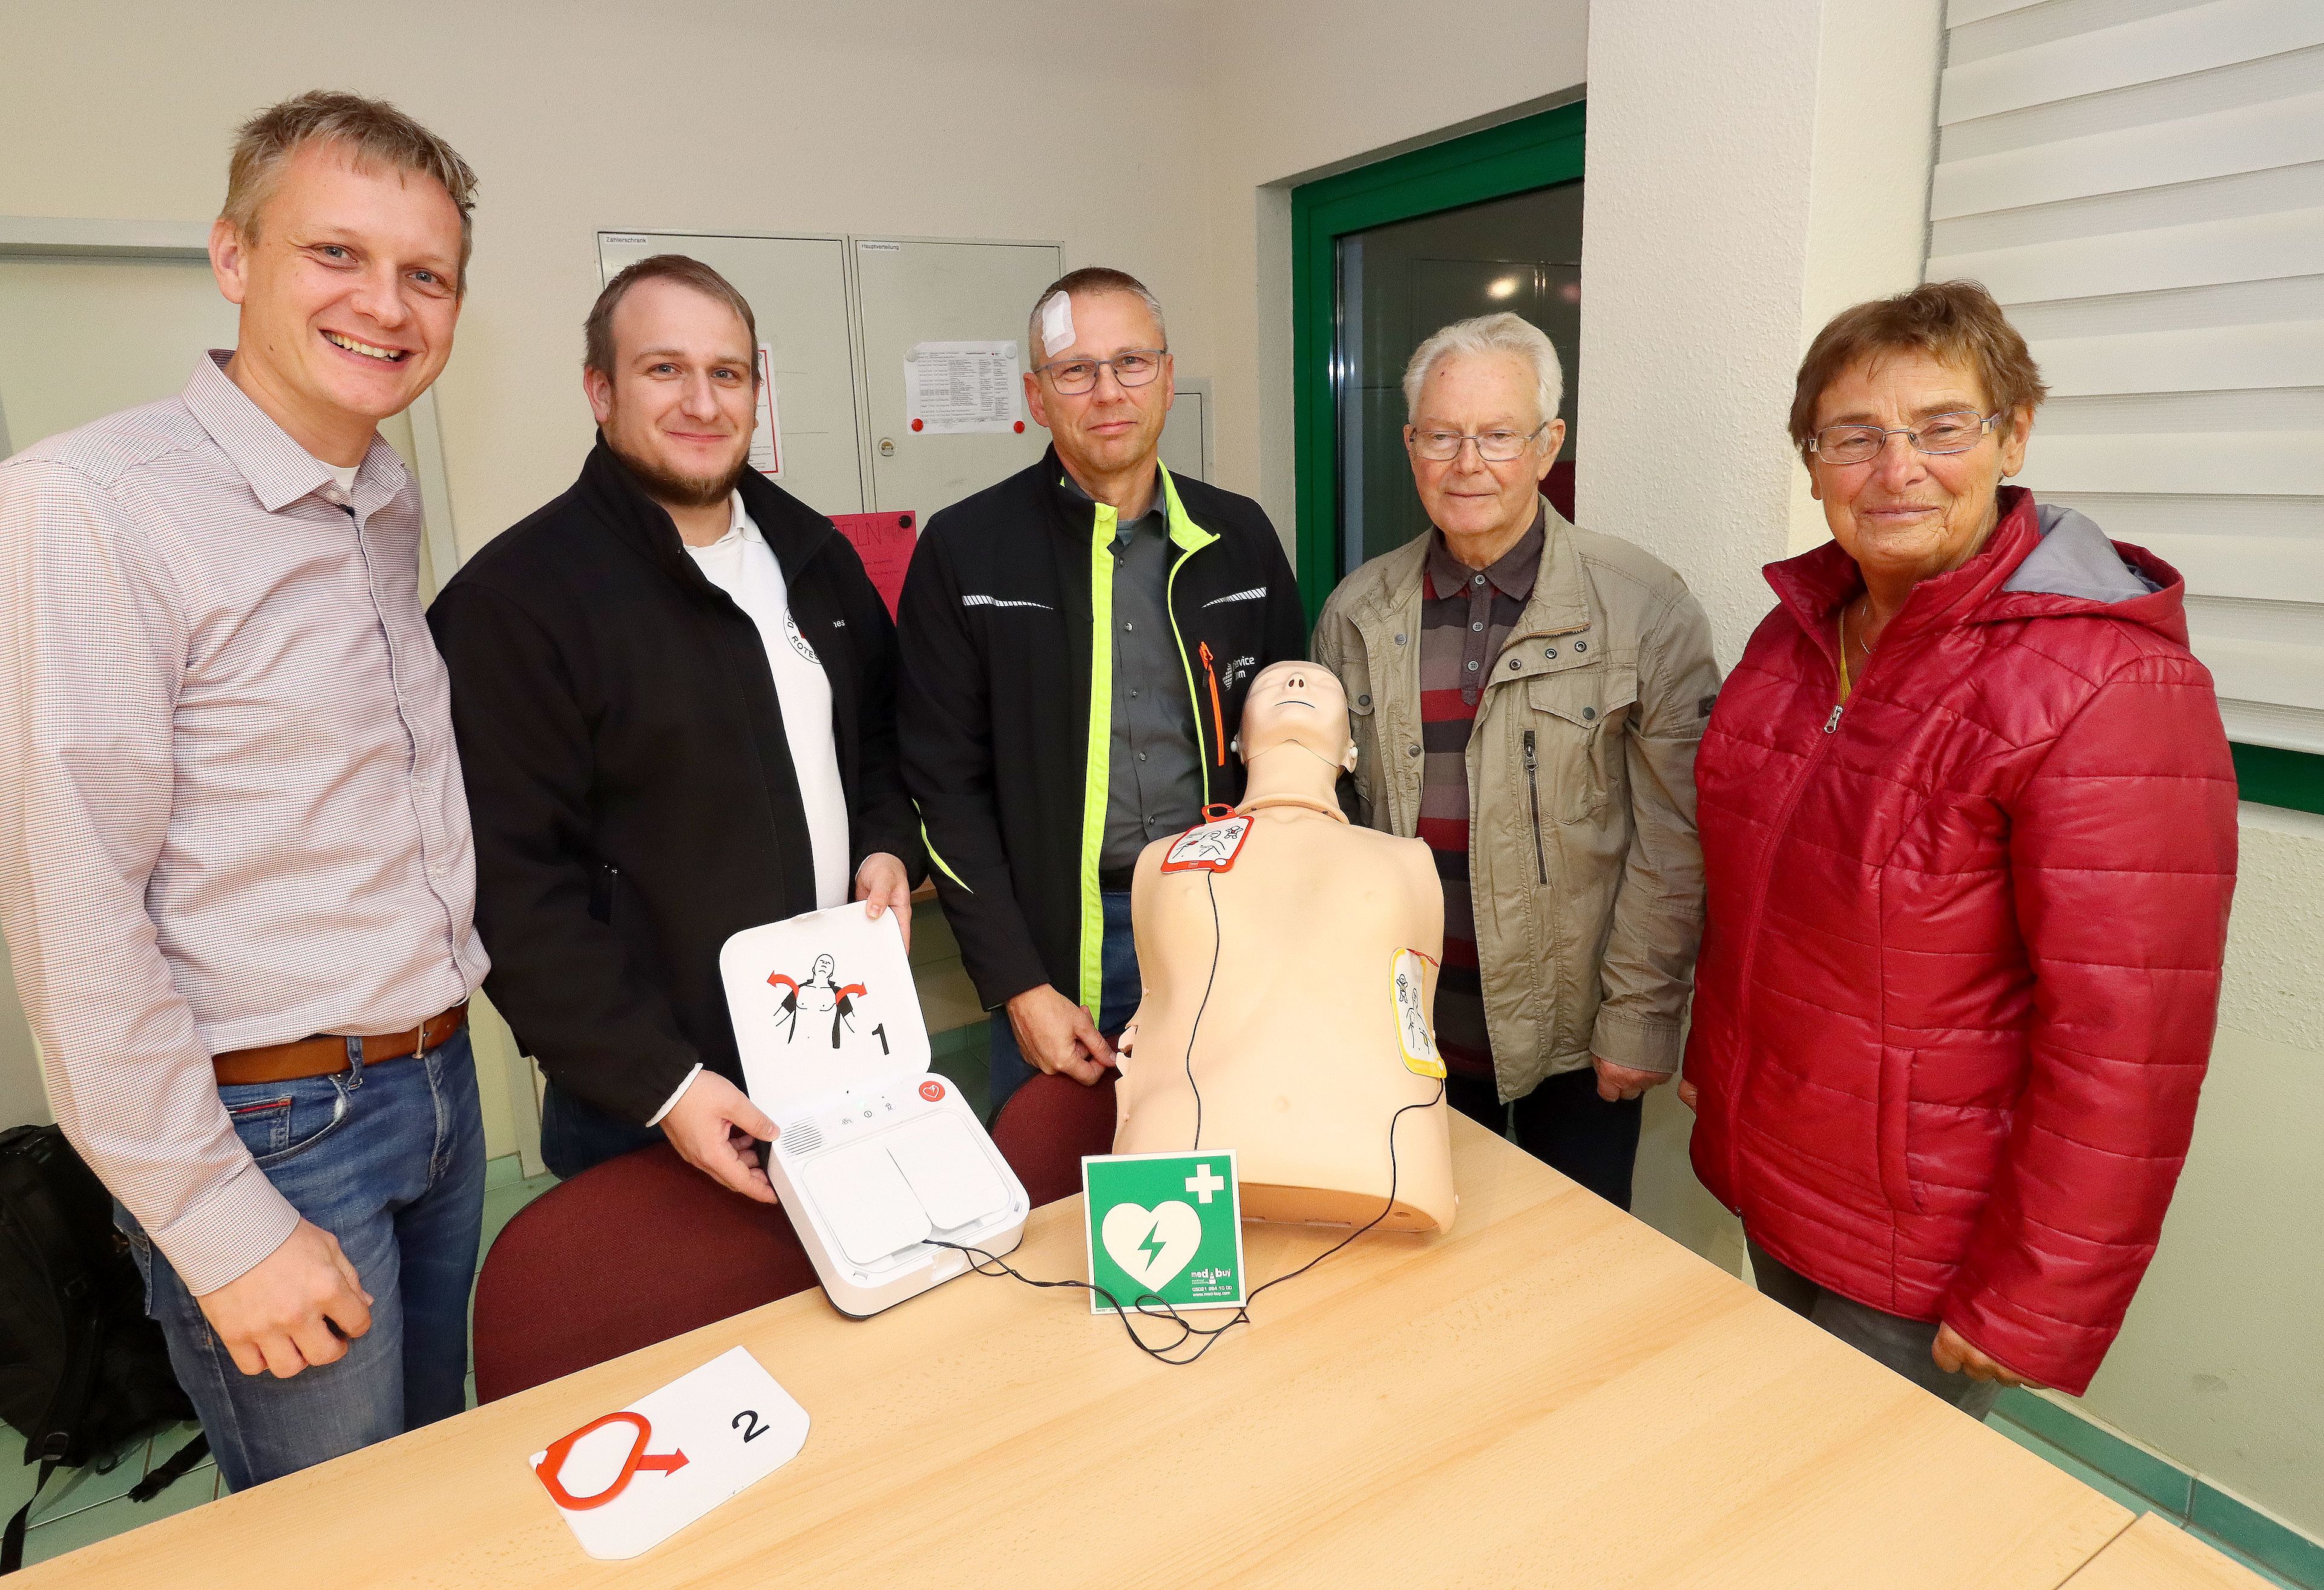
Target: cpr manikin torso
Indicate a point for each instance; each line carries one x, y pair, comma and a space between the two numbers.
1305, 1050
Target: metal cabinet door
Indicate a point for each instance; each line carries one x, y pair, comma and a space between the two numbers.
82, 338
797, 288
916, 291
1185, 446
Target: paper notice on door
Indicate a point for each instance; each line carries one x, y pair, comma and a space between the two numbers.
884, 541
962, 389
767, 434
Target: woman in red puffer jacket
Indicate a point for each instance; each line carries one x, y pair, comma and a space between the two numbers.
1969, 832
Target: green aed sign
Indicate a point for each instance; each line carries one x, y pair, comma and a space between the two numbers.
1166, 1226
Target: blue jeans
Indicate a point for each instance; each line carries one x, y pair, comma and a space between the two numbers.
390, 1159
1117, 1003
576, 1135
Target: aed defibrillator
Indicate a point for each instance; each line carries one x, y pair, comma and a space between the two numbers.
875, 1158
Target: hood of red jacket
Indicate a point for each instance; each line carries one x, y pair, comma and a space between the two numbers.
2040, 562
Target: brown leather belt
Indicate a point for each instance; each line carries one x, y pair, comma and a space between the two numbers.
325, 1054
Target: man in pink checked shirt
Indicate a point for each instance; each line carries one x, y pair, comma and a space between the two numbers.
236, 872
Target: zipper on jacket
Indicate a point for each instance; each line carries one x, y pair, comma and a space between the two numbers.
1751, 950
1218, 717
1170, 604
1832, 722
1533, 796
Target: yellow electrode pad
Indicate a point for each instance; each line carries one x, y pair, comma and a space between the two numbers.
1411, 995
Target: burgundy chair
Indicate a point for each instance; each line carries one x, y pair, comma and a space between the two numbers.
1046, 1127
1557, 486
630, 1253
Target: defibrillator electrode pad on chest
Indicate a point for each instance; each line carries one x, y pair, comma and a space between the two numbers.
1208, 847
873, 1157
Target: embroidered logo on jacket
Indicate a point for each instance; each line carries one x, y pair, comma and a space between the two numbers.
1256, 593
797, 640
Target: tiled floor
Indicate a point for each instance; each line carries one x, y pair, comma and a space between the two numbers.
2124, 1495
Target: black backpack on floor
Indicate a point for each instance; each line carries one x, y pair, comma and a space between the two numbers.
83, 1371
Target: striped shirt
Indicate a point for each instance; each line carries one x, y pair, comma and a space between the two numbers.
1465, 616
230, 806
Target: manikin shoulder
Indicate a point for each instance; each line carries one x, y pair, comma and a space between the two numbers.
1351, 849
1418, 864
1388, 850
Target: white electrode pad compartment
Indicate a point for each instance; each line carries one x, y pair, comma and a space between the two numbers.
874, 1156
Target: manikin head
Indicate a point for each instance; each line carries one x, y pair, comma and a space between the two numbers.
824, 968
1298, 705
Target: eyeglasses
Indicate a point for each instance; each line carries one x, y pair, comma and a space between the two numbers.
1939, 432
1494, 446
1135, 368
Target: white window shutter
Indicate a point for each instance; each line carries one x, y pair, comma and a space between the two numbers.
2141, 183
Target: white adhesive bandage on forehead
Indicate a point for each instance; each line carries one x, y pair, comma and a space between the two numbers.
1056, 323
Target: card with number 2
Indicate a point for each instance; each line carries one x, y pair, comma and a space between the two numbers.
628, 1481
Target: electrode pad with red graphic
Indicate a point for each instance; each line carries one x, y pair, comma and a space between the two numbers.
628, 1480
1208, 847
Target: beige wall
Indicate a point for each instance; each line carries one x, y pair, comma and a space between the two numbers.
1721, 230
991, 120
2218, 1366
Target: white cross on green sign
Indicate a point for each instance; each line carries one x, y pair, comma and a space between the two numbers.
1167, 1227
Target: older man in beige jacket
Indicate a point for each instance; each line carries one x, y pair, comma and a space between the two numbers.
1527, 698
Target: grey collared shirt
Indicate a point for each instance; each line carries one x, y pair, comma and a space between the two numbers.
231, 811
1155, 786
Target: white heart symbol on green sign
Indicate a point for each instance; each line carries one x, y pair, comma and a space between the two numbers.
1152, 1245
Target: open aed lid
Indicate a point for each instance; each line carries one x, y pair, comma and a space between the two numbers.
874, 1159
822, 1001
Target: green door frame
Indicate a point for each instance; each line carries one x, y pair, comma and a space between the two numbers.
1515, 157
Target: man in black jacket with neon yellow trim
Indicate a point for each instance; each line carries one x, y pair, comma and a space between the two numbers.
1077, 643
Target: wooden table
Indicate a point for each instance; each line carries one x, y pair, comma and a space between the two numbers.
2154, 1554
1552, 1394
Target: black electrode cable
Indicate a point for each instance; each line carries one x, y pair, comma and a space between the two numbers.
978, 1259
1218, 944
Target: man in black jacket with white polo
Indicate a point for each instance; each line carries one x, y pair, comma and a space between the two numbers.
674, 689
1077, 643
